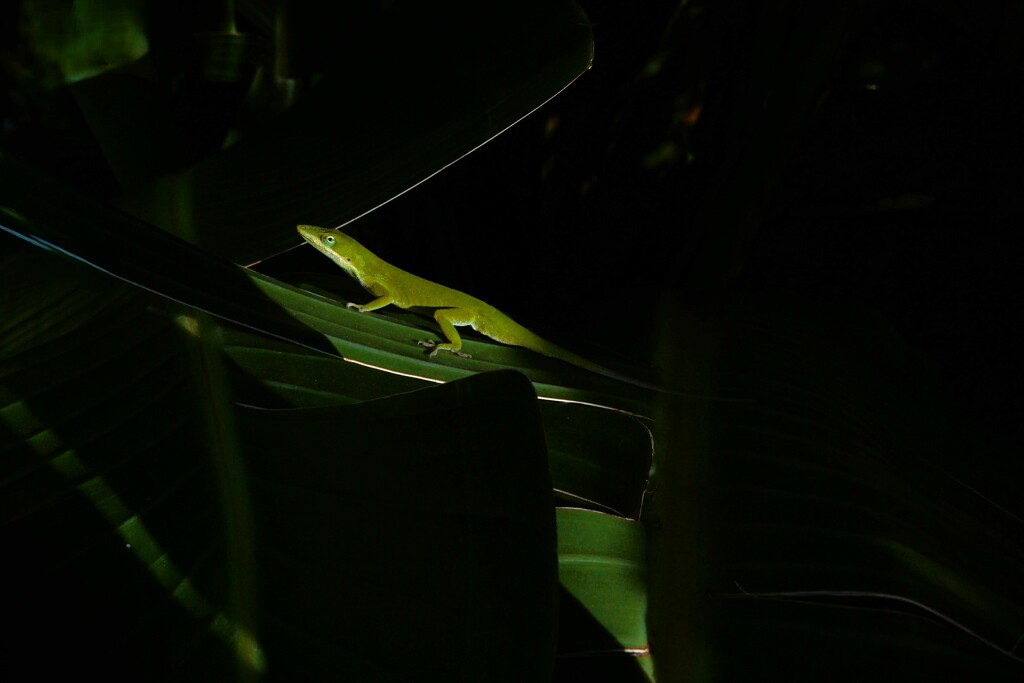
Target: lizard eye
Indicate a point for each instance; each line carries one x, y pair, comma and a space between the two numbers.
329, 239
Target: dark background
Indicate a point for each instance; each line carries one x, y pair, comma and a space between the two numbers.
901, 190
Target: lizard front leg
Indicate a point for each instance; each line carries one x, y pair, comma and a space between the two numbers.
447, 319
379, 302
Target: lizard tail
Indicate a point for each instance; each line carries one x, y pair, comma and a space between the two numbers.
538, 344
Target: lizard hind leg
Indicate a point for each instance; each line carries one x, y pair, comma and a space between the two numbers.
447, 319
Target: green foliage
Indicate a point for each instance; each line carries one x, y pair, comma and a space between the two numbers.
186, 451
207, 473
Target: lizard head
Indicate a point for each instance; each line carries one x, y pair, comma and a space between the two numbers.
338, 247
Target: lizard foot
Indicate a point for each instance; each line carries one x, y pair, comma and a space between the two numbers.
355, 306
435, 347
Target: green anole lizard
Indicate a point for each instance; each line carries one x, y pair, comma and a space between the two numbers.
394, 286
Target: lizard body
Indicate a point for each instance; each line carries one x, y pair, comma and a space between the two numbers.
394, 286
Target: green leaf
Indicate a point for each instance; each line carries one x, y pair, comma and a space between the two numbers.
214, 538
602, 563
598, 458
73, 42
90, 232
427, 528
